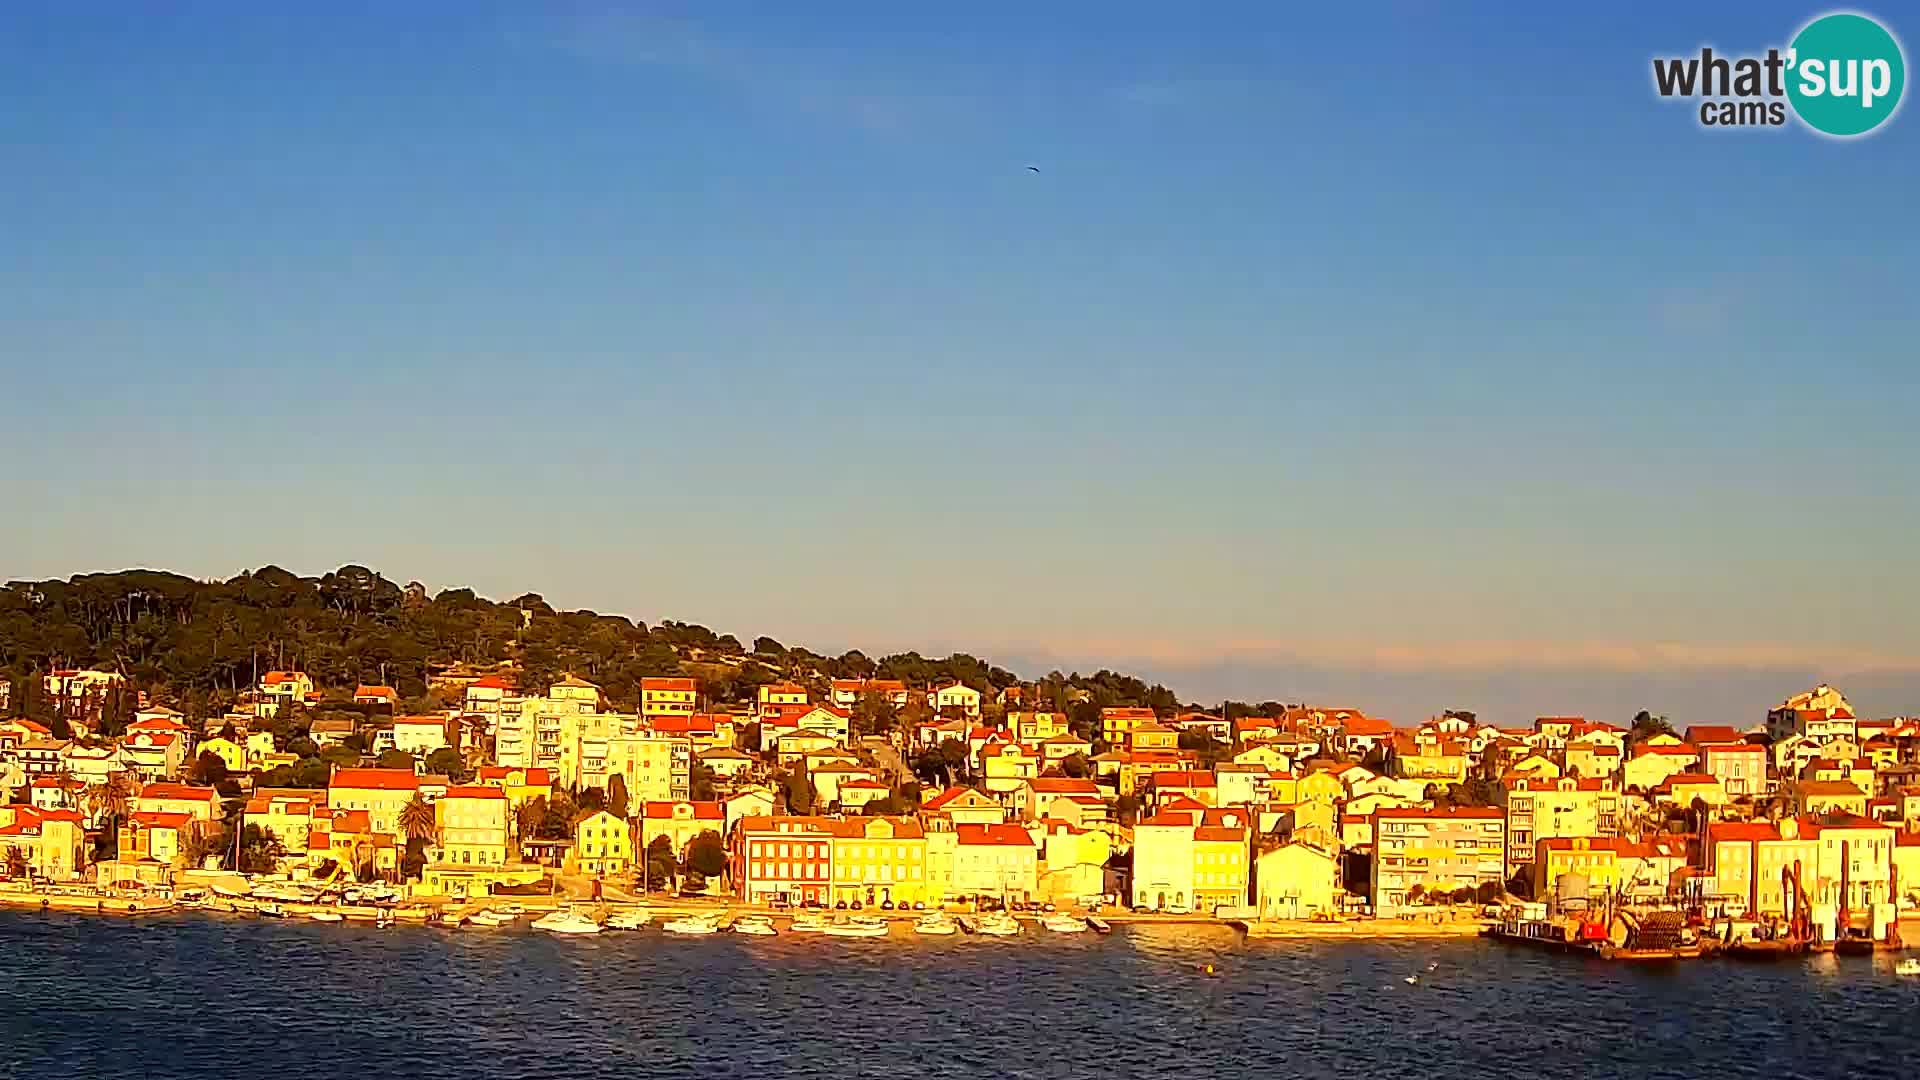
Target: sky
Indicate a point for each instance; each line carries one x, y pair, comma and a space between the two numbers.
1405, 357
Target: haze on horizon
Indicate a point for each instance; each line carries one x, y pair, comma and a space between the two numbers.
1479, 378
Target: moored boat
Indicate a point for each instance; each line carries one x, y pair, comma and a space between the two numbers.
1099, 925
270, 911
998, 924
691, 924
629, 919
1064, 924
566, 921
754, 925
808, 924
858, 927
1909, 966
937, 924
326, 916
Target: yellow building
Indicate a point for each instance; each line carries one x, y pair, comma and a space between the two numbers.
50, 840
602, 845
1442, 762
1541, 808
231, 754
521, 785
1191, 858
1596, 858
1826, 796
475, 826
200, 802
1681, 789
653, 766
1650, 765
1006, 767
995, 861
1034, 728
777, 697
680, 822
1073, 861
380, 792
288, 818
668, 697
156, 836
1319, 787
878, 859
1420, 853
1295, 881
260, 747
1152, 735
1117, 724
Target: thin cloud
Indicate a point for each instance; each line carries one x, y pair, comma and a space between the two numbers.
1489, 656
781, 79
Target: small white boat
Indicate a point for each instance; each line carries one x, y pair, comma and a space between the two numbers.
756, 925
935, 925
861, 928
629, 919
383, 920
488, 917
1909, 966
691, 924
1099, 925
566, 921
514, 909
270, 911
326, 916
1064, 924
998, 924
808, 924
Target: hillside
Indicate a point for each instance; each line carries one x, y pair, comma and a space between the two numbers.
197, 644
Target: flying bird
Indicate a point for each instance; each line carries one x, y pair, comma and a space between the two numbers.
1033, 168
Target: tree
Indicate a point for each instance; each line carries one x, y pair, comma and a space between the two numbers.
956, 756
1127, 809
260, 850
200, 842
1646, 726
799, 792
1209, 750
749, 739
1416, 894
617, 796
707, 854
873, 714
448, 763
1076, 766
1463, 895
395, 759
700, 782
557, 822
591, 800
527, 818
1487, 893
661, 864
417, 820
208, 770
17, 864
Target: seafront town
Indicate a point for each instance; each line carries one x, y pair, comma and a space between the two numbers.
833, 802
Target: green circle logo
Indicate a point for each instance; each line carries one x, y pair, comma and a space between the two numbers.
1846, 73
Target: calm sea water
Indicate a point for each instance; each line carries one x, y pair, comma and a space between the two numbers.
193, 996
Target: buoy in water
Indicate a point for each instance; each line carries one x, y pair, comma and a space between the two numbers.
1208, 969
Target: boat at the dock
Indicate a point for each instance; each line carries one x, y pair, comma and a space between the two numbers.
858, 927
935, 925
998, 924
1099, 925
566, 921
1909, 966
629, 919
808, 924
1064, 924
754, 925
691, 924
326, 916
270, 911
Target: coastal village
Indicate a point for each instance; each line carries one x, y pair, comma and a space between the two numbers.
876, 795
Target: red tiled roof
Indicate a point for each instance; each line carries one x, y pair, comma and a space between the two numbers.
663, 809
421, 721
1186, 778
529, 777
375, 691
474, 791
1699, 734
994, 835
1218, 833
863, 784
1811, 826
941, 800
682, 725
176, 791
494, 682
1063, 785
1829, 787
662, 683
160, 818
1366, 725
375, 779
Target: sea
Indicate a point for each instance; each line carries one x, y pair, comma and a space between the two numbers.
215, 996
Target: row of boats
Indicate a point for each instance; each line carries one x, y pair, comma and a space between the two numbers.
571, 920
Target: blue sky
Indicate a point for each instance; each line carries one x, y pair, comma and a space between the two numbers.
1409, 356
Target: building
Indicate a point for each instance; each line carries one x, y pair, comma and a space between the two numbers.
1854, 860
680, 822
654, 767
199, 802
954, 699
1006, 767
1197, 784
1821, 712
1073, 861
1651, 764
1433, 852
157, 837
1593, 859
1829, 796
287, 688
1117, 723
421, 735
965, 806
285, 817
476, 826
995, 861
521, 785
1152, 736
1740, 766
846, 693
1295, 881
233, 755
380, 792
878, 860
784, 859
383, 696
1191, 856
668, 697
1034, 728
775, 697
727, 763
1539, 809
50, 840
602, 845
1039, 796
1681, 789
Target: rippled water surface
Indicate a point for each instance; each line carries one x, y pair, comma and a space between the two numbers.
192, 996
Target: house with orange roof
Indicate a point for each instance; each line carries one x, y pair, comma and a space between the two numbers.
50, 840
153, 755
1254, 729
281, 688
1038, 795
348, 839
773, 698
199, 802
1650, 764
522, 785
1073, 860
954, 699
1191, 856
1543, 808
726, 763
1421, 853
1587, 759
602, 846
1196, 784
1819, 713
879, 860
787, 859
1216, 727
1006, 766
1681, 789
1117, 723
1855, 866
1906, 864
380, 696
965, 806
1439, 761
286, 818
668, 697
1152, 736
1034, 727
156, 835
995, 861
1827, 796
381, 793
1061, 747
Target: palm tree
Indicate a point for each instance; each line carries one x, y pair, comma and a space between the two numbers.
528, 817
417, 821
16, 862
